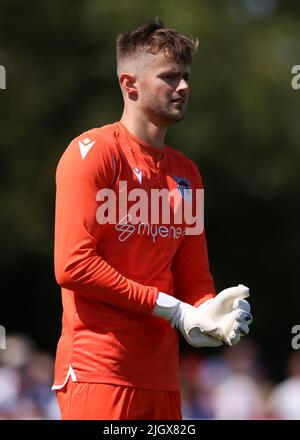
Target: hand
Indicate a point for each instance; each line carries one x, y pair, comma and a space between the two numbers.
231, 312
197, 329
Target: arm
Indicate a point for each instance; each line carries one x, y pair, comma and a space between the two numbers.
194, 283
78, 267
192, 277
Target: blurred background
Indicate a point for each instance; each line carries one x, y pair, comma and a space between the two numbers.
241, 128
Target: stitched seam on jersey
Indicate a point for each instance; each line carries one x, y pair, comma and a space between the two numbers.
114, 171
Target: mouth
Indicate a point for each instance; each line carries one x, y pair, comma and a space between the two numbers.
180, 101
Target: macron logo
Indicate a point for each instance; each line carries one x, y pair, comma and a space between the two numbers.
85, 147
138, 174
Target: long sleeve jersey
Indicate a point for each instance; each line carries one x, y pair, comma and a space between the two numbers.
111, 266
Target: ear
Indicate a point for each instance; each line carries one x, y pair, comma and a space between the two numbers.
128, 84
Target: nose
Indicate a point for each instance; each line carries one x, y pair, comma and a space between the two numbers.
183, 85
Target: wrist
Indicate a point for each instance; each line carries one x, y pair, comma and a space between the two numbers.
166, 306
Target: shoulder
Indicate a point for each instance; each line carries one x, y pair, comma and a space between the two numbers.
92, 144
90, 152
103, 138
106, 134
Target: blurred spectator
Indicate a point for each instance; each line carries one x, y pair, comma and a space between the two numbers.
26, 376
195, 403
238, 397
199, 376
18, 350
241, 395
285, 398
36, 382
9, 388
231, 384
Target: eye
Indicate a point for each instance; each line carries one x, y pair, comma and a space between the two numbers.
170, 77
173, 77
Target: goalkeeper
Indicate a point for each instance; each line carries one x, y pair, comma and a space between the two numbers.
128, 288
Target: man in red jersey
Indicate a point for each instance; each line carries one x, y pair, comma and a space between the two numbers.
130, 249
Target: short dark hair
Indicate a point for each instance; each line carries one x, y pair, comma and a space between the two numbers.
154, 38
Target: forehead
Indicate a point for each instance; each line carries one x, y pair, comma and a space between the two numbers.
158, 63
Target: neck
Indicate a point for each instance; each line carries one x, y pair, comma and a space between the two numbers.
146, 130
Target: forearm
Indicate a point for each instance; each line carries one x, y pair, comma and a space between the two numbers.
89, 275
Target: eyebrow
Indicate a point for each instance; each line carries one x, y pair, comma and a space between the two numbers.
174, 73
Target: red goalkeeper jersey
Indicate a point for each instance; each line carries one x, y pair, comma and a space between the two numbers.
111, 268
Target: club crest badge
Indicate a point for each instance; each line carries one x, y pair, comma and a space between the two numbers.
183, 185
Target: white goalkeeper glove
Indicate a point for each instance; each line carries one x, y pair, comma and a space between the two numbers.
231, 312
197, 329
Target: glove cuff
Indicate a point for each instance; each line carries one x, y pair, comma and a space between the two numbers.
166, 306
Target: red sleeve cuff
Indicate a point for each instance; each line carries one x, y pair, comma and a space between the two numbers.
204, 298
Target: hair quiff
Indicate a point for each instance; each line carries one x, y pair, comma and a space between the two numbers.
154, 38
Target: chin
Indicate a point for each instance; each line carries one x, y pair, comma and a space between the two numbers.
176, 114
177, 118
167, 119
